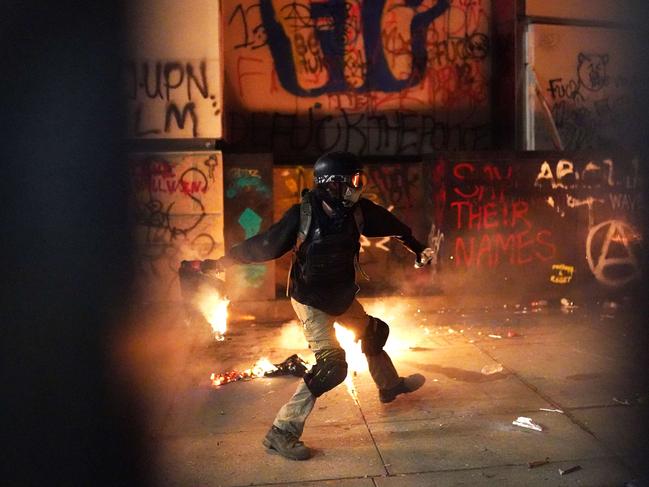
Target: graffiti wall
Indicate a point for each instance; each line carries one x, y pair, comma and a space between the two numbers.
380, 77
248, 200
173, 80
546, 224
587, 83
178, 214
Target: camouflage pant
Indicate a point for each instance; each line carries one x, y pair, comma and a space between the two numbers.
319, 331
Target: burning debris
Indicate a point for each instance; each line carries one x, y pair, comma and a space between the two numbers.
293, 365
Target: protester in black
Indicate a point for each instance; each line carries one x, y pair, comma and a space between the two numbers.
325, 229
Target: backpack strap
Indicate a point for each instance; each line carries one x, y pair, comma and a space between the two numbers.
358, 219
306, 215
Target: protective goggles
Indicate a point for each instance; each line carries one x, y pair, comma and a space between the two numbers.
356, 180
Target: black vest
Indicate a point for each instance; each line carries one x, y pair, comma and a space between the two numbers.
328, 254
323, 271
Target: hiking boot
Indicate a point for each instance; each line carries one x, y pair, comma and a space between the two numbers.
405, 385
286, 444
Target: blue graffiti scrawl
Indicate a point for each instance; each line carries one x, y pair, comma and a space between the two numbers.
250, 221
330, 21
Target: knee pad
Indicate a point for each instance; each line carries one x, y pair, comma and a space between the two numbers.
376, 334
329, 371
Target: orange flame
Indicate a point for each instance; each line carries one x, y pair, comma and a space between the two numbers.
261, 367
356, 361
215, 310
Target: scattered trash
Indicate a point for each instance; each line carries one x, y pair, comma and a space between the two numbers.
538, 463
551, 410
539, 305
624, 402
567, 306
293, 365
512, 334
491, 369
569, 470
494, 336
525, 422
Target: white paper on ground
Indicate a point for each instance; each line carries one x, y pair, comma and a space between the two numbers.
525, 422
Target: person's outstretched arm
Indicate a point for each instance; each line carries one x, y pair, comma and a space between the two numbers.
379, 222
267, 245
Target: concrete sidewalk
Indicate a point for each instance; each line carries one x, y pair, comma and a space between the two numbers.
457, 430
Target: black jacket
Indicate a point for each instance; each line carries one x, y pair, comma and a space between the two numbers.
282, 235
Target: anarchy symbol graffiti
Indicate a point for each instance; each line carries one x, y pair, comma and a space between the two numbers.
610, 255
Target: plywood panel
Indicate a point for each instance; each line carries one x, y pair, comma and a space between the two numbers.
588, 80
178, 215
604, 10
380, 77
173, 77
248, 183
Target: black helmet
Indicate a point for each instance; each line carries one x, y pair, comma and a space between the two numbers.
336, 167
339, 177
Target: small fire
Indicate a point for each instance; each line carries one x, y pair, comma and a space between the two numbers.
261, 367
215, 310
356, 361
293, 365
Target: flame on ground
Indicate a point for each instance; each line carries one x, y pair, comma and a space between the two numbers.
215, 310
407, 330
261, 367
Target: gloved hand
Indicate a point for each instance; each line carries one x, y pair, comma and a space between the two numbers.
424, 257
